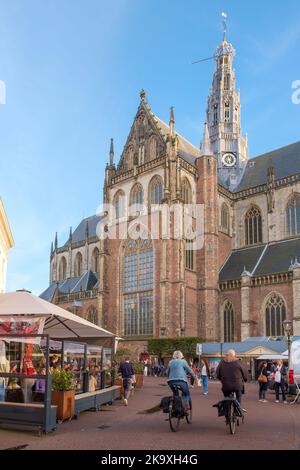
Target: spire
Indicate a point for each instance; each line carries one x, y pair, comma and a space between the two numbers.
51, 249
111, 152
172, 121
143, 94
70, 236
55, 241
205, 147
224, 16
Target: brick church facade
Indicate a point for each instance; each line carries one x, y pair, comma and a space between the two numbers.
136, 269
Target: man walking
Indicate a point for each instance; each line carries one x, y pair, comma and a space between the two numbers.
127, 372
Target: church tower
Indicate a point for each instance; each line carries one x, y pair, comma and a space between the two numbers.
223, 118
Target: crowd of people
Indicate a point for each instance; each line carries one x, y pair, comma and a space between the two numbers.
231, 372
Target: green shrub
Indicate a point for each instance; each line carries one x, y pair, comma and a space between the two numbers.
62, 380
166, 346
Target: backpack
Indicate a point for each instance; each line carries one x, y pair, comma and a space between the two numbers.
164, 404
178, 408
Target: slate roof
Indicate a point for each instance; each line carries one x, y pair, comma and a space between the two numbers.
285, 160
88, 281
261, 260
79, 233
244, 346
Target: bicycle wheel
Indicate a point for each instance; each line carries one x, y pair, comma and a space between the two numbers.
173, 420
189, 416
232, 419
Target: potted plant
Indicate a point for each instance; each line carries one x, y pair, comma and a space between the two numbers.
63, 394
139, 374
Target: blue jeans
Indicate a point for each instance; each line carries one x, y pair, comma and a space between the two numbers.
205, 384
184, 387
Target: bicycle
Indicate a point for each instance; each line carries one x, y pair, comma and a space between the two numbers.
232, 417
174, 418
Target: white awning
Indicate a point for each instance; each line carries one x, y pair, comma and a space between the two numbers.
59, 323
272, 357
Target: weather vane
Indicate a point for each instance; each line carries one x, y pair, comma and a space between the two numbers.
224, 16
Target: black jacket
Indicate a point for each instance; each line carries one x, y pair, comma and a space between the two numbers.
232, 375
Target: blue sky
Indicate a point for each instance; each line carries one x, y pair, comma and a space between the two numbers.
73, 72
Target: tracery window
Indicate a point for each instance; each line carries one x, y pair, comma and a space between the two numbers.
78, 265
156, 190
95, 261
62, 274
225, 217
292, 213
275, 315
119, 204
189, 254
228, 322
253, 226
138, 280
92, 315
136, 198
186, 191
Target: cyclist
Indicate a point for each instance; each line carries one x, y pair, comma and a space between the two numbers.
177, 372
232, 374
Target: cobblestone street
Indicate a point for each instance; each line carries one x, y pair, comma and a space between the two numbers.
267, 425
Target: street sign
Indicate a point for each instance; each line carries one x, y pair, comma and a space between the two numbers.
199, 349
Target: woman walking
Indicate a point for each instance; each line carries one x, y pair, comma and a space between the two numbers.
263, 381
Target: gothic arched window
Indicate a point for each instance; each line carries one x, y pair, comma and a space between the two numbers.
225, 217
62, 274
156, 190
186, 191
95, 260
136, 195
253, 226
138, 280
152, 148
275, 315
141, 154
78, 265
119, 204
228, 322
292, 213
92, 315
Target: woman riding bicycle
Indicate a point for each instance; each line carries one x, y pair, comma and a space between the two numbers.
177, 372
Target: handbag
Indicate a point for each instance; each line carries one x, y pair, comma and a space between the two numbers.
262, 378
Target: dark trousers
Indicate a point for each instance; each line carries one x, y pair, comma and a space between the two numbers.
238, 395
280, 386
127, 387
183, 386
263, 386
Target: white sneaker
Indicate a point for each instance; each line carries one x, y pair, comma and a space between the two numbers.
276, 401
125, 402
285, 402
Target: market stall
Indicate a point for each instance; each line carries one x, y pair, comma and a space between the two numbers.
36, 338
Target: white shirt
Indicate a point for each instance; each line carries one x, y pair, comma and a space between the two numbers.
204, 371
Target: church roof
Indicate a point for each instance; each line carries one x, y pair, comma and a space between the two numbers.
187, 151
265, 259
285, 160
88, 281
79, 233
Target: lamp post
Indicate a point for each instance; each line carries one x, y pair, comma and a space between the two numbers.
288, 326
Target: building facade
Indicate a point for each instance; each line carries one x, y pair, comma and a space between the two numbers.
137, 269
6, 242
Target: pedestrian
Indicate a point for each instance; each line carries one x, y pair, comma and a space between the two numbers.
204, 375
280, 381
263, 381
127, 372
232, 374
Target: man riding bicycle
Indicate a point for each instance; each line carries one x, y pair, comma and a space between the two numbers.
232, 374
177, 372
